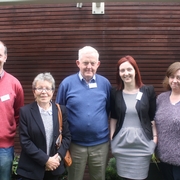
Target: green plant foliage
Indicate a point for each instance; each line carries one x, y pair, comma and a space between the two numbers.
15, 164
111, 172
155, 160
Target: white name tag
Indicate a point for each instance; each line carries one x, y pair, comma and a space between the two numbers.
139, 95
5, 97
92, 85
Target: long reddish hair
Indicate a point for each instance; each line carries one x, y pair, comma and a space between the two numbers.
130, 59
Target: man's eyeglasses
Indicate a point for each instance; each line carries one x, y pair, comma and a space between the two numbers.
43, 89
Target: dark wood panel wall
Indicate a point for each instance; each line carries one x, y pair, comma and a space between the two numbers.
47, 37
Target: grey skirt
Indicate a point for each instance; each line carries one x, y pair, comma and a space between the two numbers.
132, 151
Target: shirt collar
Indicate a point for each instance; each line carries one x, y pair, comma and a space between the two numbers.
48, 111
81, 78
2, 74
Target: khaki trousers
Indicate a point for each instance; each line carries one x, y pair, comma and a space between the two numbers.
94, 156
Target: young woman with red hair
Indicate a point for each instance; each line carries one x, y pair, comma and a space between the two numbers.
133, 131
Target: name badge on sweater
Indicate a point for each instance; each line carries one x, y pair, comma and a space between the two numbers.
5, 97
139, 95
92, 85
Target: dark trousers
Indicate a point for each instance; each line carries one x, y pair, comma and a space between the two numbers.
170, 172
47, 176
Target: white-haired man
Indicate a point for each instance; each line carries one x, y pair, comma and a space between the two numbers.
87, 98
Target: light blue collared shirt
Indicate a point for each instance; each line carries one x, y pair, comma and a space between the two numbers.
91, 81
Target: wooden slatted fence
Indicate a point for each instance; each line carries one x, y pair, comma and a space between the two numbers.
47, 38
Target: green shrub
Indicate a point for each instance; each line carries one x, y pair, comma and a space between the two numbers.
111, 171
15, 164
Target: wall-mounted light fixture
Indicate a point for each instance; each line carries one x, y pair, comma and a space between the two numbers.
79, 5
98, 8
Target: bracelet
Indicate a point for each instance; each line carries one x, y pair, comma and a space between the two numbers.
155, 135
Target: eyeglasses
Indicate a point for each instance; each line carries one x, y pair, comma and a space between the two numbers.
43, 89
